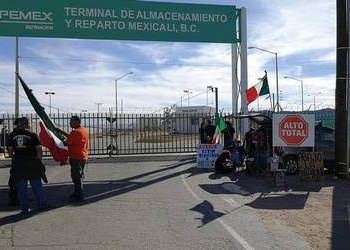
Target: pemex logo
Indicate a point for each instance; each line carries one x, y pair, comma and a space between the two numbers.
25, 16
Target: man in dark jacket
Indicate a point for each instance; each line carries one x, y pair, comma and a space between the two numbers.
202, 133
229, 134
13, 194
209, 131
25, 150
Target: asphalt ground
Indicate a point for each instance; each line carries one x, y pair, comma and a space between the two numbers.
142, 203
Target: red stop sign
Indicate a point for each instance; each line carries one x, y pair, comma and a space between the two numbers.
293, 130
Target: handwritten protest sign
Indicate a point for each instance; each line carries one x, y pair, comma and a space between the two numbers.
207, 154
311, 166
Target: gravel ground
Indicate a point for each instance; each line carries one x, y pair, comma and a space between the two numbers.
316, 210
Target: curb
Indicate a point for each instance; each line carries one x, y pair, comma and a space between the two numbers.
121, 158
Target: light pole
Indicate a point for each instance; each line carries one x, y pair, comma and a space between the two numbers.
98, 114
315, 100
182, 99
276, 65
188, 92
208, 88
215, 89
116, 113
302, 89
116, 91
50, 94
98, 106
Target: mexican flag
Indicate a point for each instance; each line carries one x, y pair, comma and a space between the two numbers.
220, 127
48, 135
260, 89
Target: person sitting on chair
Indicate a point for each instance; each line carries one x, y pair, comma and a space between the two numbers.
237, 154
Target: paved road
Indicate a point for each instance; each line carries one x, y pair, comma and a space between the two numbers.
142, 205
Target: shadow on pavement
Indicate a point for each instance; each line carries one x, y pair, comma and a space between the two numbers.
58, 193
278, 201
270, 197
208, 212
293, 196
341, 215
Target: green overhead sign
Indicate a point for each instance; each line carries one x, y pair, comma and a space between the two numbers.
119, 20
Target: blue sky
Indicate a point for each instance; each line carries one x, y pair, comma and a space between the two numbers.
82, 72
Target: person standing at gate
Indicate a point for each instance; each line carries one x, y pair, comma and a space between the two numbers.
202, 132
229, 134
25, 150
209, 131
78, 143
249, 142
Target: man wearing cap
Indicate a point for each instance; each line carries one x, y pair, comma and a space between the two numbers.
26, 152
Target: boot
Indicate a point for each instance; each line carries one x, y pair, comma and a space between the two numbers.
78, 191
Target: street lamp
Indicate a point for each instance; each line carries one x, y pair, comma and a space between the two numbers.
208, 88
98, 114
181, 100
302, 89
188, 92
116, 91
215, 89
315, 100
116, 112
98, 106
50, 94
276, 62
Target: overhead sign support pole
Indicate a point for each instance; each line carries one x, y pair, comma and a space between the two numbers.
244, 61
235, 81
243, 53
16, 79
239, 86
348, 86
236, 88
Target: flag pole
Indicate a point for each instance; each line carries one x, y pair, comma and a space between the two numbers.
271, 105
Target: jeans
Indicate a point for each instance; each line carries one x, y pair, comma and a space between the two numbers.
260, 161
38, 190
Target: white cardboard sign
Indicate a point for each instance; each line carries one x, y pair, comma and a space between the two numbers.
207, 154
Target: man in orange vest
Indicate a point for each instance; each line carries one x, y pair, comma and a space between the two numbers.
78, 143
